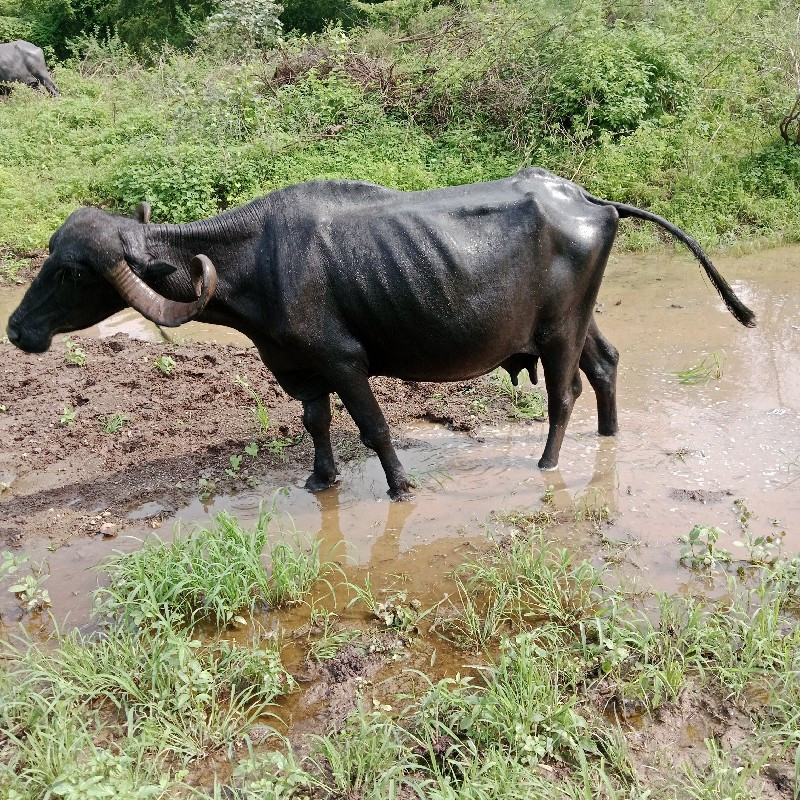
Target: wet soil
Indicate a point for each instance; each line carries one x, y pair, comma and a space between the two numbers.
683, 454
65, 477
28, 265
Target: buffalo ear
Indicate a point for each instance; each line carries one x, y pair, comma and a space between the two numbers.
143, 212
141, 262
157, 269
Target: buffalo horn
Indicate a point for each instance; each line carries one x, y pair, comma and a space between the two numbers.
159, 309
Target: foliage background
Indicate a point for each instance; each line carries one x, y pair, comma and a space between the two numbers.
197, 105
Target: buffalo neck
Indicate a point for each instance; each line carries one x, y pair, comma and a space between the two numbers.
231, 241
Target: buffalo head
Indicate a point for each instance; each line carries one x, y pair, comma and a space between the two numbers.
98, 265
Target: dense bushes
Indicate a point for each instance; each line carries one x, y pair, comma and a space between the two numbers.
142, 24
666, 105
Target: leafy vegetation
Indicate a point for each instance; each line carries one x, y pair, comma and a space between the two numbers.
74, 355
664, 105
121, 710
554, 697
116, 422
165, 365
567, 669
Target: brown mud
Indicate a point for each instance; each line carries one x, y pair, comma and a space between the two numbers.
683, 455
66, 477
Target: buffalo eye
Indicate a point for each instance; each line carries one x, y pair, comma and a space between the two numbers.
70, 271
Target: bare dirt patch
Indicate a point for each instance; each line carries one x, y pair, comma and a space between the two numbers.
83, 446
701, 495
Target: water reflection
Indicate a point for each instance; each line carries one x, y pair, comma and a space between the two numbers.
601, 489
337, 544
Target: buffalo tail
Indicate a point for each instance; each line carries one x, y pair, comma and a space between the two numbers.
739, 310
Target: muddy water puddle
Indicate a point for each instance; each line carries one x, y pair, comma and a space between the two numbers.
683, 455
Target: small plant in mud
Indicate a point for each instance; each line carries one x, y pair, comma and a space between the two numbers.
260, 412
74, 356
252, 450
116, 422
31, 593
235, 470
68, 417
593, 507
480, 405
761, 550
10, 563
396, 611
236, 463
165, 365
206, 488
526, 404
700, 549
3, 408
278, 446
710, 368
328, 640
29, 589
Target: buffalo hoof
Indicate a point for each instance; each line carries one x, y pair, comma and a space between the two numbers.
402, 492
314, 483
547, 465
608, 430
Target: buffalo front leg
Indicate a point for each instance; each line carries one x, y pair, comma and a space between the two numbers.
362, 406
317, 421
599, 361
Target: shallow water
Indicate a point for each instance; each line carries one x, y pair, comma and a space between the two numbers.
736, 437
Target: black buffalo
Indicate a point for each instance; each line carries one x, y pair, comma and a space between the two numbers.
335, 281
23, 62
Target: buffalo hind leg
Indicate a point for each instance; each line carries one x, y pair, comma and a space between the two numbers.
356, 394
599, 361
560, 366
317, 421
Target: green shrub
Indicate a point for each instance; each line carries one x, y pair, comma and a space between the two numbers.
660, 105
180, 181
613, 79
12, 28
312, 16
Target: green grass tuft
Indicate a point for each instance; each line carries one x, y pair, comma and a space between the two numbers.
214, 574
